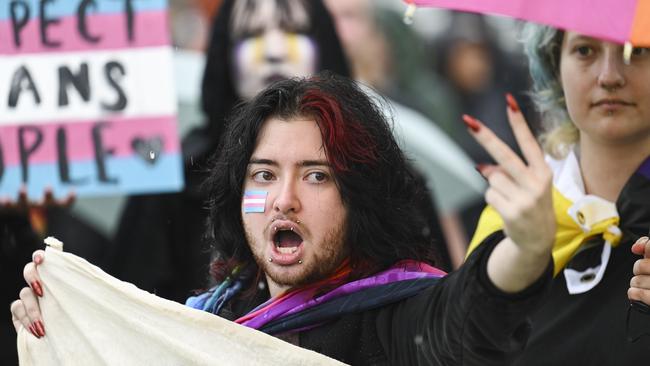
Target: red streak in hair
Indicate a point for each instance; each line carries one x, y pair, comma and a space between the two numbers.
346, 141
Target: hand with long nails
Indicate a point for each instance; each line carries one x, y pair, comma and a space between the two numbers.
25, 312
521, 192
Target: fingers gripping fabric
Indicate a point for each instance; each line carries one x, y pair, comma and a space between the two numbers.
92, 318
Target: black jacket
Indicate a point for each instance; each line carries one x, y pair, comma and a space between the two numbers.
462, 320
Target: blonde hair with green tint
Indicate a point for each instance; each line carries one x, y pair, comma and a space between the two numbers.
543, 45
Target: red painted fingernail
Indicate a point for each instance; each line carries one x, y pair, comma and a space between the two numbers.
512, 103
471, 123
40, 328
36, 286
33, 330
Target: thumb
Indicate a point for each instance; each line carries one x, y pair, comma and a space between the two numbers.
641, 247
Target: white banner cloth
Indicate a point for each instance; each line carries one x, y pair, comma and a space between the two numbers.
92, 318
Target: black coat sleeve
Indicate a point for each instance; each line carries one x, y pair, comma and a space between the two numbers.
463, 320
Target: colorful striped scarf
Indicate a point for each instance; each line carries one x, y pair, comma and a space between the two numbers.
304, 308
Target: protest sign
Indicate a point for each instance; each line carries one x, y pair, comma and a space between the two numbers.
87, 102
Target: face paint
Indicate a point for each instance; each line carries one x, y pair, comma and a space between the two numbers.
254, 201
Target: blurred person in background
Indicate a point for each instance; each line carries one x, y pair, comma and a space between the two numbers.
159, 244
386, 54
479, 72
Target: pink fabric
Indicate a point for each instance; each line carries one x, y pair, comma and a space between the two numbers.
610, 20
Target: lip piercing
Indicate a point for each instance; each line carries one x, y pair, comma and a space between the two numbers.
291, 229
300, 261
297, 221
270, 259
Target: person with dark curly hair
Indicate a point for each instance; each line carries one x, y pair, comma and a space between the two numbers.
253, 44
238, 64
315, 234
315, 237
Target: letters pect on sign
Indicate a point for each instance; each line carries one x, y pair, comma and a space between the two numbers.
87, 102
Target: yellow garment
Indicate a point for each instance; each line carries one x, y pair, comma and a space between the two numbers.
92, 318
571, 233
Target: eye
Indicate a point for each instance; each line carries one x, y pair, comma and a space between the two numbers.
584, 50
263, 176
317, 177
640, 51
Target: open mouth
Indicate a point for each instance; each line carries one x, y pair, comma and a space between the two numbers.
287, 244
286, 241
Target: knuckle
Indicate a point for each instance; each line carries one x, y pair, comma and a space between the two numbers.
645, 296
15, 305
643, 267
28, 270
26, 291
33, 313
633, 293
489, 196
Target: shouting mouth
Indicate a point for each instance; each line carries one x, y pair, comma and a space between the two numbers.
287, 244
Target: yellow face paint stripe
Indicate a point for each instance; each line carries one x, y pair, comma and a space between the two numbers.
292, 45
258, 50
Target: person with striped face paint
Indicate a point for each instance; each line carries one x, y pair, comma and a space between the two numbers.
270, 44
253, 43
313, 224
312, 221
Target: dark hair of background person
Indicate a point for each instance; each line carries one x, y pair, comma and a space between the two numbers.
370, 170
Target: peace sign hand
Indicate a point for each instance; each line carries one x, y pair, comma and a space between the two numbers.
521, 192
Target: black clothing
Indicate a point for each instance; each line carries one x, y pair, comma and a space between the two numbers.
590, 328
463, 319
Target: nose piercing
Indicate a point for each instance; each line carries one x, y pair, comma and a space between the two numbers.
270, 259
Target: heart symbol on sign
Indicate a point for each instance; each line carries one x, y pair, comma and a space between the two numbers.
148, 149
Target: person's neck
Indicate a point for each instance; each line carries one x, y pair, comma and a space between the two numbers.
274, 288
606, 168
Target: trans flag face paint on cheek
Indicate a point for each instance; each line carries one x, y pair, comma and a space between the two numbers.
254, 201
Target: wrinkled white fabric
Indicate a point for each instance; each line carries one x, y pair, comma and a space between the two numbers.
92, 318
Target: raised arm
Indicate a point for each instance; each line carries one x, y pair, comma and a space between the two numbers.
521, 192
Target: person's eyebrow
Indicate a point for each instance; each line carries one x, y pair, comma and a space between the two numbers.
263, 162
308, 163
303, 163
580, 38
